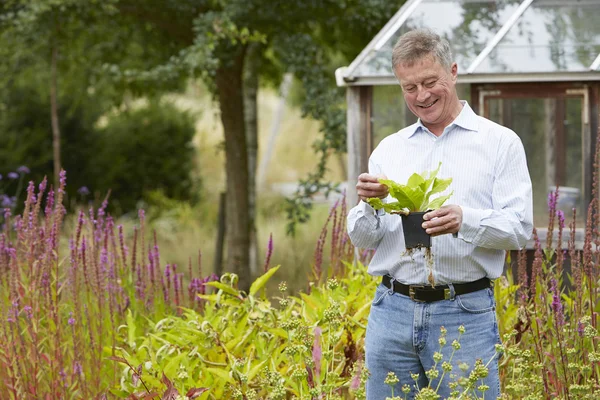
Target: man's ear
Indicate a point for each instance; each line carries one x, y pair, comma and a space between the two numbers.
454, 71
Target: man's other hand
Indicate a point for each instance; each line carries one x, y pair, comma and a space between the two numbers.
368, 186
446, 219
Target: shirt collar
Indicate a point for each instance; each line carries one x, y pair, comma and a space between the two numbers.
467, 119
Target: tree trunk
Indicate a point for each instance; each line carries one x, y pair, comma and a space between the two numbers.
251, 83
219, 244
229, 86
54, 114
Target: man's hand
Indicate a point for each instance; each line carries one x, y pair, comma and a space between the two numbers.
368, 186
446, 219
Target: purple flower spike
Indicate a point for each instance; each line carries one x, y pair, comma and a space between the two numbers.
317, 352
28, 311
552, 198
580, 328
23, 169
561, 218
84, 191
77, 368
6, 201
557, 306
71, 319
355, 382
269, 252
12, 175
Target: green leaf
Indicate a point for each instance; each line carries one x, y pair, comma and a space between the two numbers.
437, 202
416, 180
439, 185
362, 312
225, 288
221, 373
209, 297
390, 207
375, 202
415, 195
256, 369
130, 328
430, 179
262, 281
402, 193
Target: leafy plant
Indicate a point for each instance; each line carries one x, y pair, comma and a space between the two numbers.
466, 383
65, 296
416, 194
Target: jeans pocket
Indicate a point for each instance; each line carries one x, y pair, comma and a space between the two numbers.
380, 294
478, 302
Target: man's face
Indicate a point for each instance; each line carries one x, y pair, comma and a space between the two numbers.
430, 91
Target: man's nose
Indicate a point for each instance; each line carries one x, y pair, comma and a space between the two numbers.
423, 94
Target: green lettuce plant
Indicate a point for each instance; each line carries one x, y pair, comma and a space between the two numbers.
416, 195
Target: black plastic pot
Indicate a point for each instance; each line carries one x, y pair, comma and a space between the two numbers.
414, 233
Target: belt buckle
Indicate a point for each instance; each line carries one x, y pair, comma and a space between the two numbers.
411, 292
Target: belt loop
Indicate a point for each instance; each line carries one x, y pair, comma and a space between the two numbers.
391, 288
452, 292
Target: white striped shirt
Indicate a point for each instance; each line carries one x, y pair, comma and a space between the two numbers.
491, 183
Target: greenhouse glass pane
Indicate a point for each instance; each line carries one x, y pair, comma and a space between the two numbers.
468, 25
550, 36
554, 153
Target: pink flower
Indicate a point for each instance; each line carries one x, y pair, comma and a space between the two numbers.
317, 352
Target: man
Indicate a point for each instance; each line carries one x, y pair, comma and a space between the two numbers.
489, 212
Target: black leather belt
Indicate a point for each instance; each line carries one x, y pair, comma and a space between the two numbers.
427, 294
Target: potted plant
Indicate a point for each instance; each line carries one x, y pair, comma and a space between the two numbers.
412, 201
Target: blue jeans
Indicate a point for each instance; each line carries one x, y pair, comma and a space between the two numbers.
403, 335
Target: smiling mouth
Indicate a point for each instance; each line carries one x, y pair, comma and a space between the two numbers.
429, 105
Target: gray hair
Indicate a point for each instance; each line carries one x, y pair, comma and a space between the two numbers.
418, 44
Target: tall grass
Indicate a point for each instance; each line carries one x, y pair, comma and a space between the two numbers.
553, 342
62, 306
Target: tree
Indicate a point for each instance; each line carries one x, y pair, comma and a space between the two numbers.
219, 40
47, 37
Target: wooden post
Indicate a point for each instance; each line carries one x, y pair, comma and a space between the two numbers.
550, 138
594, 116
218, 261
359, 137
588, 145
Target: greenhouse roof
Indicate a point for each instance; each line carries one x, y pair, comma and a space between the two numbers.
494, 40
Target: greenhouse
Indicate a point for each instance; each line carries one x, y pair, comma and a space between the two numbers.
532, 65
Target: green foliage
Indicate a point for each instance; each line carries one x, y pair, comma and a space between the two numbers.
62, 304
465, 382
27, 138
243, 345
551, 337
143, 150
338, 33
416, 194
138, 151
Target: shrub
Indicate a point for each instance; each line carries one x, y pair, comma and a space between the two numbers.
143, 150
243, 345
138, 151
26, 135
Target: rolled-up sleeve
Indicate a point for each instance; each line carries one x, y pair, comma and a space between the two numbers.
365, 226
